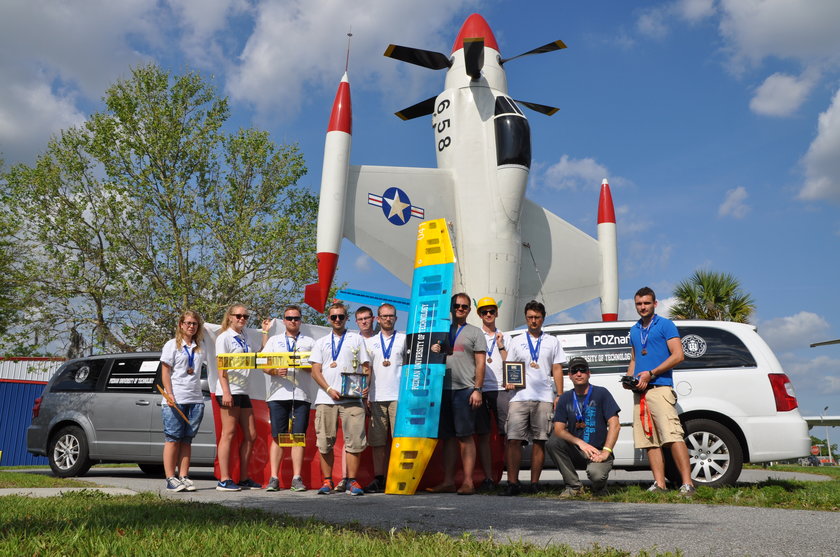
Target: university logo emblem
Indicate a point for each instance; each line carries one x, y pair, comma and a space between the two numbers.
396, 206
693, 346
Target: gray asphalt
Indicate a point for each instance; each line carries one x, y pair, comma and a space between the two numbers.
695, 529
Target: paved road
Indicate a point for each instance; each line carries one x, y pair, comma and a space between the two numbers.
696, 529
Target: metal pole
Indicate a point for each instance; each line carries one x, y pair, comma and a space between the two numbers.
827, 440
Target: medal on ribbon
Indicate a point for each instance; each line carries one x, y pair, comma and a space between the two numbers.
492, 347
386, 352
336, 352
190, 360
535, 351
580, 410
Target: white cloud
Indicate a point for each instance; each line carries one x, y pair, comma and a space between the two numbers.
299, 45
204, 25
822, 161
653, 23
782, 94
574, 173
362, 263
734, 204
695, 10
793, 332
757, 29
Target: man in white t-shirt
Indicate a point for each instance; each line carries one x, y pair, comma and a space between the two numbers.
332, 356
532, 406
387, 355
290, 396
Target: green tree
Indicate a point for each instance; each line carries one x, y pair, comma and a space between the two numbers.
149, 208
713, 296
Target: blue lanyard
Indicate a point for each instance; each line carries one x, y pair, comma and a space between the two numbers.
335, 352
291, 347
190, 358
243, 344
453, 339
535, 352
644, 332
492, 346
386, 353
578, 409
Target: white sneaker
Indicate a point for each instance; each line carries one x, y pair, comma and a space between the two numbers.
187, 483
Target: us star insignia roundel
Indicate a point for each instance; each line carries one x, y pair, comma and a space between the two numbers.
396, 206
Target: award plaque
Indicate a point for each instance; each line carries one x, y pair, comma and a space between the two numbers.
514, 374
353, 385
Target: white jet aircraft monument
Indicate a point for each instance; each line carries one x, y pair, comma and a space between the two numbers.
506, 246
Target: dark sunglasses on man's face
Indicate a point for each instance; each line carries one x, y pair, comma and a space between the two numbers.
338, 317
487, 311
578, 370
292, 318
460, 306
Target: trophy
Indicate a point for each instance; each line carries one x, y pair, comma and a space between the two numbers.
353, 382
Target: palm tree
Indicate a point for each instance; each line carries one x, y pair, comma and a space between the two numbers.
712, 296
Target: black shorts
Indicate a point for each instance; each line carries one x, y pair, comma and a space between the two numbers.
458, 418
239, 401
280, 410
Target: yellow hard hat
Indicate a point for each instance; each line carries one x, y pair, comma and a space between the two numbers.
486, 301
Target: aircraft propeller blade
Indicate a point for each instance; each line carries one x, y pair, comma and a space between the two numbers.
423, 108
550, 47
474, 56
541, 108
426, 58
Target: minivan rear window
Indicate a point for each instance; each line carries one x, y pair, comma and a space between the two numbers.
133, 375
81, 375
608, 350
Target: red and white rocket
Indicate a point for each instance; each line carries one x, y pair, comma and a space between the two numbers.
333, 195
608, 242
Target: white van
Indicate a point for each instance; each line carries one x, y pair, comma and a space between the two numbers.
735, 401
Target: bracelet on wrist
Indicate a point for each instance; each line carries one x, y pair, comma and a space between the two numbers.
609, 450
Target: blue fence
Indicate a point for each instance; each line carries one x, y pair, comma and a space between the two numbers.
16, 400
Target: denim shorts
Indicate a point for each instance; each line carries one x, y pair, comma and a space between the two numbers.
175, 429
280, 410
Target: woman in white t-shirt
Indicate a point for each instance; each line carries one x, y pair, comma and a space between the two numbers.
234, 403
181, 361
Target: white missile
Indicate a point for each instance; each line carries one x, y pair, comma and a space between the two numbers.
333, 194
608, 242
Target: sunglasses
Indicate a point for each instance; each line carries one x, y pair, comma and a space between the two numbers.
240, 315
460, 306
338, 317
189, 323
487, 312
292, 318
578, 370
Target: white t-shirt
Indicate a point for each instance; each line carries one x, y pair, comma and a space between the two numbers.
493, 370
538, 381
231, 342
322, 354
298, 384
385, 383
186, 388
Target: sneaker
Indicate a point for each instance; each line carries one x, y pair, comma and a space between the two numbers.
297, 484
533, 488
227, 485
342, 486
486, 485
273, 485
353, 488
188, 483
174, 485
375, 487
248, 483
600, 491
571, 492
654, 488
512, 490
326, 488
687, 491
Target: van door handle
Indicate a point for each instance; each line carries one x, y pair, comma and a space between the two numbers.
142, 403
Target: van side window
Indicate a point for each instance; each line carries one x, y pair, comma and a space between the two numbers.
606, 350
709, 347
79, 376
133, 375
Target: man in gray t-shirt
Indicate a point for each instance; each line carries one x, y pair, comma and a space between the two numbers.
462, 399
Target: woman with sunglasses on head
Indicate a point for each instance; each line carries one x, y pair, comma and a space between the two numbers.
234, 403
181, 361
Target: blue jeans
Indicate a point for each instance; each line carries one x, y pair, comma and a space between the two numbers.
175, 429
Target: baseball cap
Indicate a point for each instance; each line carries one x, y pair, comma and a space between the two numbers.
578, 362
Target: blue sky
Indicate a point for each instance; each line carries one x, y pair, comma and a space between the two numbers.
717, 123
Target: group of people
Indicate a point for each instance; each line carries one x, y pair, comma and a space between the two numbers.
584, 420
